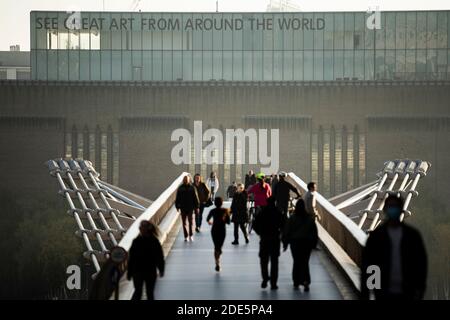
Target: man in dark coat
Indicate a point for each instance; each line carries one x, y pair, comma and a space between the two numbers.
232, 189
267, 225
282, 193
398, 251
250, 179
145, 257
239, 213
187, 202
274, 181
203, 196
300, 232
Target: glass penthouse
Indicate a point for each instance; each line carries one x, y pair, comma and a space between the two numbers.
313, 46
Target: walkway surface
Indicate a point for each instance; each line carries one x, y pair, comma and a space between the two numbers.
190, 272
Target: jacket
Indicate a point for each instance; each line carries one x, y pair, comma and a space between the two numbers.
301, 229
413, 260
210, 182
268, 223
261, 194
187, 198
202, 192
281, 192
145, 256
232, 189
249, 180
239, 207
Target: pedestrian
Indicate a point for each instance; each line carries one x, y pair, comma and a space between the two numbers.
213, 184
282, 193
311, 201
267, 225
300, 233
250, 179
203, 196
239, 213
274, 181
231, 190
261, 192
187, 203
398, 251
145, 258
220, 218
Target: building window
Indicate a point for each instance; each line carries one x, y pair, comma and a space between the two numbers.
95, 40
74, 40
336, 172
93, 146
63, 40
52, 39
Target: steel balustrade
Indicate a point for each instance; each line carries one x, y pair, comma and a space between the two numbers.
56, 170
388, 168
400, 177
70, 171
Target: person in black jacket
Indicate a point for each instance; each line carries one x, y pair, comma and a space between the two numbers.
187, 202
398, 251
268, 223
203, 196
221, 217
145, 257
250, 179
239, 213
282, 193
300, 232
232, 189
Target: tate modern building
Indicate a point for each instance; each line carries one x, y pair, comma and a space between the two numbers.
354, 46
346, 90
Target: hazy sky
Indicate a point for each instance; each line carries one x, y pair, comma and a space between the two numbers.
15, 18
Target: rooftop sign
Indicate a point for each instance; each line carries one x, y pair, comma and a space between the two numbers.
76, 21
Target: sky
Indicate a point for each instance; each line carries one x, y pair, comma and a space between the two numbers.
15, 19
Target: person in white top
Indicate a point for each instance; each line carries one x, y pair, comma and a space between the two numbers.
213, 184
310, 200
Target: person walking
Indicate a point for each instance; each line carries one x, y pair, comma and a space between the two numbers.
310, 200
300, 233
261, 192
397, 249
144, 260
250, 179
203, 196
220, 218
239, 213
274, 181
232, 188
282, 193
267, 225
213, 184
186, 203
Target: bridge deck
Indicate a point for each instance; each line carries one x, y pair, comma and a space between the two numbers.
190, 272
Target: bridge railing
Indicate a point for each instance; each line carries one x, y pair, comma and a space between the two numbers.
340, 235
156, 213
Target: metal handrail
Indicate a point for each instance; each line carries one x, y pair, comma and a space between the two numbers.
340, 227
154, 213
